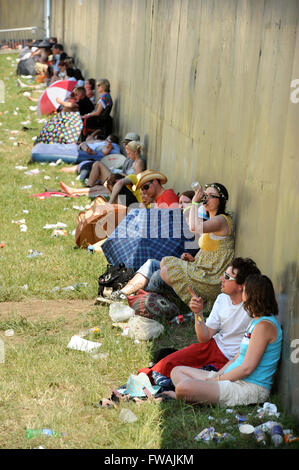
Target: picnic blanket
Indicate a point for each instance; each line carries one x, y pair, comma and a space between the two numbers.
149, 233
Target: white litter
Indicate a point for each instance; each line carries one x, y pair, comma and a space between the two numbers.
20, 167
33, 108
51, 226
81, 344
35, 171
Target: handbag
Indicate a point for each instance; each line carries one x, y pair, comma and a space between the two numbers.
152, 305
114, 278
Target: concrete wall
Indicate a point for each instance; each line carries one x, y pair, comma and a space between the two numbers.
207, 84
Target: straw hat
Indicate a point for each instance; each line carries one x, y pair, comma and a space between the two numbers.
149, 175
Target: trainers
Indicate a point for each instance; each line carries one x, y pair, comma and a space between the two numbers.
103, 300
118, 296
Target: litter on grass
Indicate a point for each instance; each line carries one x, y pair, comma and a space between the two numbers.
80, 344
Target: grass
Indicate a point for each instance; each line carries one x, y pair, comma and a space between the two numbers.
43, 383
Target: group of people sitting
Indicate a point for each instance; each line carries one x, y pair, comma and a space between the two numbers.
239, 344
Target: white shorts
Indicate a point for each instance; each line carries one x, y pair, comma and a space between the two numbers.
240, 392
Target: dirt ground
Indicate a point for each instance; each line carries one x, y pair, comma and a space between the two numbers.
46, 309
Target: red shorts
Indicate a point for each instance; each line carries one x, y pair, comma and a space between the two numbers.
196, 355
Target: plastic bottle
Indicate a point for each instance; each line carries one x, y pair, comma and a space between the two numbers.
260, 436
195, 185
31, 433
90, 331
119, 312
276, 434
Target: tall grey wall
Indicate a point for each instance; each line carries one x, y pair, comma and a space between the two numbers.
211, 87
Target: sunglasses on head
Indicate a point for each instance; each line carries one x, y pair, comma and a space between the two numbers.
227, 277
146, 186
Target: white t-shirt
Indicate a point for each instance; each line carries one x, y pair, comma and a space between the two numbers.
231, 322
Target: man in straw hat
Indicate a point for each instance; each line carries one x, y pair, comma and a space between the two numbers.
150, 182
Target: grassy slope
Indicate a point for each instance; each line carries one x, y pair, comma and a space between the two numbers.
44, 384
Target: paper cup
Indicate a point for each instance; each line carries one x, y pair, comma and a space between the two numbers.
246, 430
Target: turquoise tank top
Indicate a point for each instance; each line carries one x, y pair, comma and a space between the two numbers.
264, 372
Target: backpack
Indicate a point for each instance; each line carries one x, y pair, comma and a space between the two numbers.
114, 278
98, 222
152, 305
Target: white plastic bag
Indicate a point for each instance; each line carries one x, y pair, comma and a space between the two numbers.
119, 312
143, 328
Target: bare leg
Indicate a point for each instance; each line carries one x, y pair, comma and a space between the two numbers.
98, 172
72, 169
164, 273
91, 192
190, 385
137, 282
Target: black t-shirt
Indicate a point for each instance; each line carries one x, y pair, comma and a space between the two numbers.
85, 106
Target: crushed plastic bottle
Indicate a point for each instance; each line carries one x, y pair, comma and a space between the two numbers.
119, 312
127, 416
89, 331
34, 253
31, 433
260, 436
59, 233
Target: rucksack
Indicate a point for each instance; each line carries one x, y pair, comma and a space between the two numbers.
114, 278
152, 305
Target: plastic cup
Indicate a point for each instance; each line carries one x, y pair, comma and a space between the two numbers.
246, 430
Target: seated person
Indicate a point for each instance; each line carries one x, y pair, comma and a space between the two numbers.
99, 173
150, 183
125, 196
248, 377
90, 86
80, 102
202, 272
220, 335
100, 117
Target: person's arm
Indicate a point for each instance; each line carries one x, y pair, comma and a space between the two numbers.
138, 166
262, 334
117, 188
199, 226
107, 148
66, 104
203, 332
97, 111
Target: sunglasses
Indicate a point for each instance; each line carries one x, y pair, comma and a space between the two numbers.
146, 186
227, 277
212, 196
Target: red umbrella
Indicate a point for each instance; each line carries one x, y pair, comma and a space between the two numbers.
60, 89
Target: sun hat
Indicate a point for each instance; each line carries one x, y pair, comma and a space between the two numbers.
45, 43
149, 175
131, 136
135, 386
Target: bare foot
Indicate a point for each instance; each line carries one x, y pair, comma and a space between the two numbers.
67, 169
66, 189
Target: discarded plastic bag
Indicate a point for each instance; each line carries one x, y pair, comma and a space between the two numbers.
143, 328
119, 312
127, 416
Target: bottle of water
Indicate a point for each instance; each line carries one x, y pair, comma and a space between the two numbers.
195, 185
260, 435
276, 434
